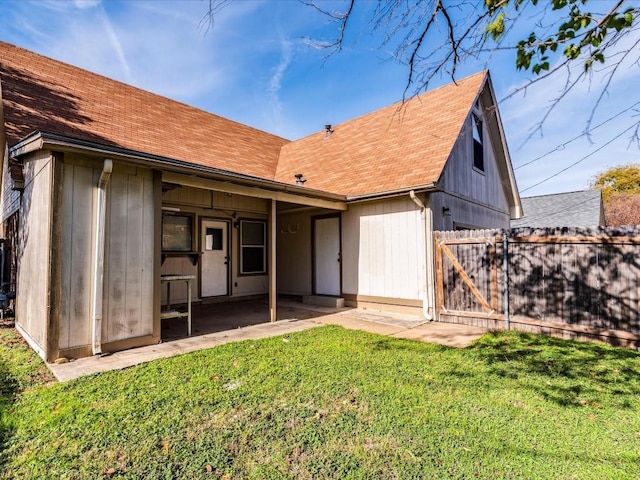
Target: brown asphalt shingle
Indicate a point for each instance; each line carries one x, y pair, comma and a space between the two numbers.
400, 146
43, 94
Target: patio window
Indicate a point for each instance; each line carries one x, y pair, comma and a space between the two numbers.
253, 241
478, 151
177, 233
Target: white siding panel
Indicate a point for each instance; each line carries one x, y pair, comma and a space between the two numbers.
383, 250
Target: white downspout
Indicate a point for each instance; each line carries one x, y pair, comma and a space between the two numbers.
98, 264
427, 224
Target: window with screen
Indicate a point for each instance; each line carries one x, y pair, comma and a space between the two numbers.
253, 236
177, 233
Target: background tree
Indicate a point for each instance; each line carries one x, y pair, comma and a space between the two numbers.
622, 209
619, 179
620, 188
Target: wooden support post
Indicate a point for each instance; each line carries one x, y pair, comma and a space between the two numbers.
273, 296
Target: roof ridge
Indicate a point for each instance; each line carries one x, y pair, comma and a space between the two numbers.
402, 103
586, 190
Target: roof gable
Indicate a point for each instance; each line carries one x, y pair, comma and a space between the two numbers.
403, 145
42, 94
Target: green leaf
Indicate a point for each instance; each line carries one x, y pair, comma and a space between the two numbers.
496, 28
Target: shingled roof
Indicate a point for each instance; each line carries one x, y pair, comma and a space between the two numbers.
403, 145
398, 147
571, 209
42, 94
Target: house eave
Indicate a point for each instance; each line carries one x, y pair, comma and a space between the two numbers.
45, 140
366, 197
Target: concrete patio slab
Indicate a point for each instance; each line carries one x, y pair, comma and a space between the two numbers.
248, 321
135, 356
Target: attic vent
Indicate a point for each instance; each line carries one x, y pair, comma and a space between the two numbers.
299, 181
327, 130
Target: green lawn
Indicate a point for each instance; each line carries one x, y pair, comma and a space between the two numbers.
331, 403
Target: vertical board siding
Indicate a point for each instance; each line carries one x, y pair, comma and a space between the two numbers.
294, 257
129, 257
32, 301
10, 198
580, 278
384, 250
79, 198
460, 176
128, 261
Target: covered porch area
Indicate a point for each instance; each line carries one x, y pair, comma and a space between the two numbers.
240, 248
225, 316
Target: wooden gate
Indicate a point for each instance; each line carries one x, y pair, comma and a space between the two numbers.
467, 282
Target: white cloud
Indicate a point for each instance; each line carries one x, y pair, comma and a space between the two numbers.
115, 43
86, 3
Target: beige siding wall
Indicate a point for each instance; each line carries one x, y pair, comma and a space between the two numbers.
206, 204
476, 198
32, 303
129, 253
383, 250
294, 255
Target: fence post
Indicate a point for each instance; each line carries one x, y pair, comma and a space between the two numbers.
505, 268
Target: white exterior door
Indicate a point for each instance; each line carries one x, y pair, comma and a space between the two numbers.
327, 256
215, 258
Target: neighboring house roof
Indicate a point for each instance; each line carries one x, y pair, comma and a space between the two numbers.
43, 94
403, 145
397, 148
572, 209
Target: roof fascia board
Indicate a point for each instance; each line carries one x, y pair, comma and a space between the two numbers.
40, 140
427, 188
256, 192
507, 168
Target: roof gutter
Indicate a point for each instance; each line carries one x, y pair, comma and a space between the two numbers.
425, 188
40, 140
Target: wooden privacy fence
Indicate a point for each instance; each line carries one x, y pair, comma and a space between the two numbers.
573, 283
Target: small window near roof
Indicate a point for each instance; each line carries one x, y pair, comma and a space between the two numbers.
478, 150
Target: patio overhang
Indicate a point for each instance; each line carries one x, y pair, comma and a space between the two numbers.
253, 191
185, 173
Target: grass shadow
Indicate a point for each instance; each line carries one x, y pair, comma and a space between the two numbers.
570, 373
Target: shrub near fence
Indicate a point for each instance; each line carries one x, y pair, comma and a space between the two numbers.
569, 282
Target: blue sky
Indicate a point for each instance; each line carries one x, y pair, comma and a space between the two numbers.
255, 66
